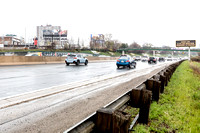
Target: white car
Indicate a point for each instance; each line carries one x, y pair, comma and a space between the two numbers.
169, 58
144, 58
31, 54
76, 59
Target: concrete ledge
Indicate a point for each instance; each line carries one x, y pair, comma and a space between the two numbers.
26, 60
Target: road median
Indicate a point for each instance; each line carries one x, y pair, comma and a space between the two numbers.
31, 60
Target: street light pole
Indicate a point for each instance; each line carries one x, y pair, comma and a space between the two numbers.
52, 44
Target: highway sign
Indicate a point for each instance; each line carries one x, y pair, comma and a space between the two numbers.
186, 43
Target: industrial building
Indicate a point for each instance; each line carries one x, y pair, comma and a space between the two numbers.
11, 40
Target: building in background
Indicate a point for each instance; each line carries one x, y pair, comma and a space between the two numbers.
97, 41
11, 40
51, 35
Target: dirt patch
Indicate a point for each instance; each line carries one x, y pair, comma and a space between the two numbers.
195, 68
197, 59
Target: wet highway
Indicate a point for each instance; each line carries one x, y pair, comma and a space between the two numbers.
15, 80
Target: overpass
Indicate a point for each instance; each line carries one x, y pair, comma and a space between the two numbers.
159, 49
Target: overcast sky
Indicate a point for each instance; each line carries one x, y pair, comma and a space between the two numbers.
160, 22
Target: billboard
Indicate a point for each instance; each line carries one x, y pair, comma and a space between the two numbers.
98, 37
186, 43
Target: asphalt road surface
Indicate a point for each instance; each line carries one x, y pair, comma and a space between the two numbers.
15, 80
59, 108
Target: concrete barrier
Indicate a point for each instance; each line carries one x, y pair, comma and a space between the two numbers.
21, 60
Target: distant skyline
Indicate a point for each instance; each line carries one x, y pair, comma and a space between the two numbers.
157, 22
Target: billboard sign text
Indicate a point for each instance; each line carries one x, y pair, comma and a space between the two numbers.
186, 43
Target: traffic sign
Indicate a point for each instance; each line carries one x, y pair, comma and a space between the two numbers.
186, 43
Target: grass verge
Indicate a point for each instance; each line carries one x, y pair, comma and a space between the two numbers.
178, 109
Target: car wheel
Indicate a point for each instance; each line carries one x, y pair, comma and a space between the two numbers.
118, 66
86, 62
78, 62
67, 63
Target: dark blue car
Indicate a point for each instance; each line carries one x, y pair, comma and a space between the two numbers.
126, 61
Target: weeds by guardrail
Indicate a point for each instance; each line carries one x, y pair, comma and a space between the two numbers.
112, 118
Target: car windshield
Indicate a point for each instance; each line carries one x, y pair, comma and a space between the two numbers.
124, 57
151, 58
71, 56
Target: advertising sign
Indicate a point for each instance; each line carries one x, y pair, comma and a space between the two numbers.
98, 37
186, 43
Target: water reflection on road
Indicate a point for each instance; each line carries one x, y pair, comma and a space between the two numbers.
16, 80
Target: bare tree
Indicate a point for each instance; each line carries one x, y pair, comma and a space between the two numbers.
134, 45
71, 43
78, 45
108, 37
147, 45
82, 43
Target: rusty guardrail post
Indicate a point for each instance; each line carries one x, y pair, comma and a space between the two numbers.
111, 121
145, 107
141, 98
162, 80
104, 120
136, 96
154, 86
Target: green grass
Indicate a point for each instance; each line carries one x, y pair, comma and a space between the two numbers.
178, 109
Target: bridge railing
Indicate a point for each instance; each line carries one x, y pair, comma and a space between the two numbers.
158, 49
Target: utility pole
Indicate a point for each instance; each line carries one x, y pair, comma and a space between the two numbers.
2, 41
25, 38
78, 43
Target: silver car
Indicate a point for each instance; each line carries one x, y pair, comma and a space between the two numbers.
76, 59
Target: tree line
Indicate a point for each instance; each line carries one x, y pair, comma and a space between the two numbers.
113, 45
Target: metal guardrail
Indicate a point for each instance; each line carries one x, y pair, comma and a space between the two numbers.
139, 97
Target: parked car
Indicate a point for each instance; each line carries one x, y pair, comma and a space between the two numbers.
161, 59
31, 55
34, 54
76, 59
152, 60
126, 60
144, 58
9, 54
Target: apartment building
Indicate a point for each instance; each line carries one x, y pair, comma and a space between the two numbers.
49, 34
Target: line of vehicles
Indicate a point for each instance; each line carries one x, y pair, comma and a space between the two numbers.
128, 61
155, 59
123, 61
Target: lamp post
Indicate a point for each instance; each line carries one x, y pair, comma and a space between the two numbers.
52, 44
